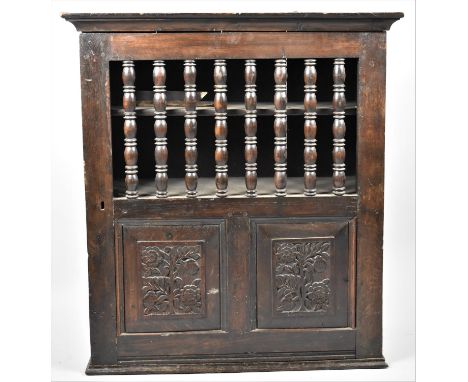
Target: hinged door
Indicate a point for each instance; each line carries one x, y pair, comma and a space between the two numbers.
171, 277
302, 274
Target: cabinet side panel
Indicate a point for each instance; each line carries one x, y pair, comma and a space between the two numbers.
370, 172
98, 189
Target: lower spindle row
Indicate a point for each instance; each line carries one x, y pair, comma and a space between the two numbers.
221, 128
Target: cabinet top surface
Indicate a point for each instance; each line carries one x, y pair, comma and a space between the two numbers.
226, 22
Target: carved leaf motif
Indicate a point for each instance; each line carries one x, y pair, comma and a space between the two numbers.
301, 269
288, 292
171, 279
156, 295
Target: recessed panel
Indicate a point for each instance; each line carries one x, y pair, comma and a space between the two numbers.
302, 274
171, 277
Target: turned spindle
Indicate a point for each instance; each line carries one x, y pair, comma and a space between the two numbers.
310, 128
339, 126
160, 127
130, 129
280, 126
190, 128
221, 128
250, 126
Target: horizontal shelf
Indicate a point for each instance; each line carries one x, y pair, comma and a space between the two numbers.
237, 109
236, 188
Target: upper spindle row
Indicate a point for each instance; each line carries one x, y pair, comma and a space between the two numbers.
220, 104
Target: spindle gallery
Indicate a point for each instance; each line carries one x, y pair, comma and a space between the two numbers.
234, 170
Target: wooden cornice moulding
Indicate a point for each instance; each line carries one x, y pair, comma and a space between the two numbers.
232, 22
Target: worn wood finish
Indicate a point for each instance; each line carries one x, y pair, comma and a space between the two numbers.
237, 341
260, 357
250, 365
252, 22
233, 367
99, 201
160, 127
267, 206
239, 270
225, 284
233, 45
370, 167
352, 274
310, 128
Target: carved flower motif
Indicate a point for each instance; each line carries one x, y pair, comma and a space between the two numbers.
190, 296
155, 261
320, 262
286, 253
318, 296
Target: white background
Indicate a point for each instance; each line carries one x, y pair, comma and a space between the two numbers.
39, 50
70, 341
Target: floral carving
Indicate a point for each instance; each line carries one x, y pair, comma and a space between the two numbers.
171, 279
317, 296
302, 271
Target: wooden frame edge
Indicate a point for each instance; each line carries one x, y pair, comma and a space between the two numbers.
252, 365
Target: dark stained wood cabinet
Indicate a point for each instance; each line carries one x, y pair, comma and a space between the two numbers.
234, 171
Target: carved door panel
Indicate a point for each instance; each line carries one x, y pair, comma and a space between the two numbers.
303, 274
171, 277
